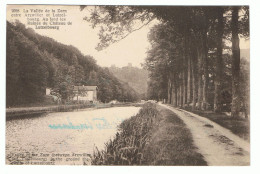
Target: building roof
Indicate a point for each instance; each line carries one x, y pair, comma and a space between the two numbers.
87, 88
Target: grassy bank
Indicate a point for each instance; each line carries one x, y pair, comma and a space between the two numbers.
14, 112
239, 126
25, 111
155, 136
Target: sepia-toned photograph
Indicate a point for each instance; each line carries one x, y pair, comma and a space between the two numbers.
118, 85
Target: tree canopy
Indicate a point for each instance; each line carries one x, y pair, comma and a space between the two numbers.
190, 61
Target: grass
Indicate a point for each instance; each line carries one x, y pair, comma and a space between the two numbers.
239, 126
17, 112
155, 136
27, 111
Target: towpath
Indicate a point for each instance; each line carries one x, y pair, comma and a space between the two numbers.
218, 145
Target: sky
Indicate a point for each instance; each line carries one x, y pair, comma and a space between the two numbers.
81, 35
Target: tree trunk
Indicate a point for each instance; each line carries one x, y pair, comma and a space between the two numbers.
205, 72
181, 93
219, 62
194, 82
173, 97
174, 94
169, 91
178, 96
235, 108
200, 71
189, 81
184, 84
185, 69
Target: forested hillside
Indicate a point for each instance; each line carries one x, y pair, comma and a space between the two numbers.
34, 62
137, 78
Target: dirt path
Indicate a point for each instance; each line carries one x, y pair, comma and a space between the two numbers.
218, 145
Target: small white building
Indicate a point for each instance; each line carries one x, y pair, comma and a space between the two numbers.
55, 96
48, 91
85, 93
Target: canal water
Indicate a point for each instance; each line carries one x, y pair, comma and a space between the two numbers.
63, 138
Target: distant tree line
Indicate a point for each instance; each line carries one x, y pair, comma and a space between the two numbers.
35, 62
190, 63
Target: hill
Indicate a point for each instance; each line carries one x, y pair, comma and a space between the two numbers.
35, 62
135, 77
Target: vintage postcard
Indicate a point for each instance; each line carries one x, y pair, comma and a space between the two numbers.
126, 85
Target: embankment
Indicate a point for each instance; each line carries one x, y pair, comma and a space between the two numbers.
25, 111
155, 136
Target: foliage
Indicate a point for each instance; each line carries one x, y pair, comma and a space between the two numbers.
188, 47
155, 136
35, 62
116, 22
127, 147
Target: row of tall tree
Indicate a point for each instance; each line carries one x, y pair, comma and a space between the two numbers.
190, 61
192, 51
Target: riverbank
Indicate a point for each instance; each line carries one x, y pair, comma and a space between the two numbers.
22, 111
155, 136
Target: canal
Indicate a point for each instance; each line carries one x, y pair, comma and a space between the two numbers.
63, 138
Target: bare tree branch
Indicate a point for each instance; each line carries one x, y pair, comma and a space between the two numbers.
145, 24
